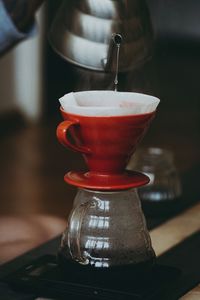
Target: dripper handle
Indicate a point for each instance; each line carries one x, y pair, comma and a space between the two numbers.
62, 131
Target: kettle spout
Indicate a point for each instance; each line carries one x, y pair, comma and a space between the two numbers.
110, 63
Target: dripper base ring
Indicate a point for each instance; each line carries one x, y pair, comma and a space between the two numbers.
109, 182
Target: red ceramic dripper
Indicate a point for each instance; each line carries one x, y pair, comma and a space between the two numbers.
106, 143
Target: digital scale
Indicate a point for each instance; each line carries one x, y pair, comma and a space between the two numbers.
44, 277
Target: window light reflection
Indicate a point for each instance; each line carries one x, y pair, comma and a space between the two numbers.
103, 205
97, 243
99, 222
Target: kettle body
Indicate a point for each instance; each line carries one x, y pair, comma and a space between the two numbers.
82, 31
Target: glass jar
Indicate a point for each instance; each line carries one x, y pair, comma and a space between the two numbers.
106, 229
158, 164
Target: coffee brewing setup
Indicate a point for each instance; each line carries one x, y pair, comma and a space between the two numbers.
106, 227
106, 232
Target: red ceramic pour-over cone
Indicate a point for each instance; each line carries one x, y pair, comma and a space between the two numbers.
106, 144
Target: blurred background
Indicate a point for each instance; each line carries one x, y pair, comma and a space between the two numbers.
33, 77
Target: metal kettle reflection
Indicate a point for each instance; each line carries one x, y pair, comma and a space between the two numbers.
81, 33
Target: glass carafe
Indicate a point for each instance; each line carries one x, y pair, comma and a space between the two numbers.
158, 165
106, 229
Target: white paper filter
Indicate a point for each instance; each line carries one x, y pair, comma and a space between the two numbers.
108, 103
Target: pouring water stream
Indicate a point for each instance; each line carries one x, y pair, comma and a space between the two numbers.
117, 39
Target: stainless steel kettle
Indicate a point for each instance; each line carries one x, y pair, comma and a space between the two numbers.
82, 33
